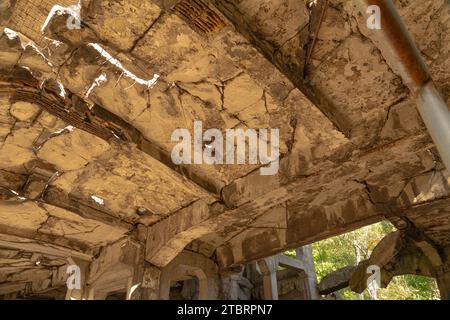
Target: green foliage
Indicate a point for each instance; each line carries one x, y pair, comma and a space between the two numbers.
410, 287
338, 252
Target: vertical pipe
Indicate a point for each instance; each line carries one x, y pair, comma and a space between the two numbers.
436, 115
270, 286
401, 51
397, 45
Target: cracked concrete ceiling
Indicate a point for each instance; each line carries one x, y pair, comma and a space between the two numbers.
86, 118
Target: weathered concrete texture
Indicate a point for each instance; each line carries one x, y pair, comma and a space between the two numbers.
168, 43
89, 167
335, 207
341, 47
295, 281
113, 18
357, 61
291, 286
427, 22
336, 280
396, 254
31, 220
188, 265
399, 253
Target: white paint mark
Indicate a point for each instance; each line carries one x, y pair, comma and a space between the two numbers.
56, 43
312, 3
17, 195
109, 58
68, 128
62, 91
11, 34
73, 10
132, 290
98, 200
97, 82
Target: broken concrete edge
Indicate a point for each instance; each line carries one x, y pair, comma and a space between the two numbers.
336, 280
398, 253
102, 124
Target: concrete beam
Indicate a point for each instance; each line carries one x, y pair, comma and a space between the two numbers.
268, 268
102, 123
167, 238
13, 185
336, 280
290, 263
31, 245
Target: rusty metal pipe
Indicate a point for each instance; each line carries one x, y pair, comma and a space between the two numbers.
403, 50
402, 54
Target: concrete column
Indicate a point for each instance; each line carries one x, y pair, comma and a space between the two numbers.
236, 287
443, 282
151, 284
268, 267
270, 286
178, 272
190, 290
310, 278
234, 290
129, 288
203, 289
436, 115
91, 294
